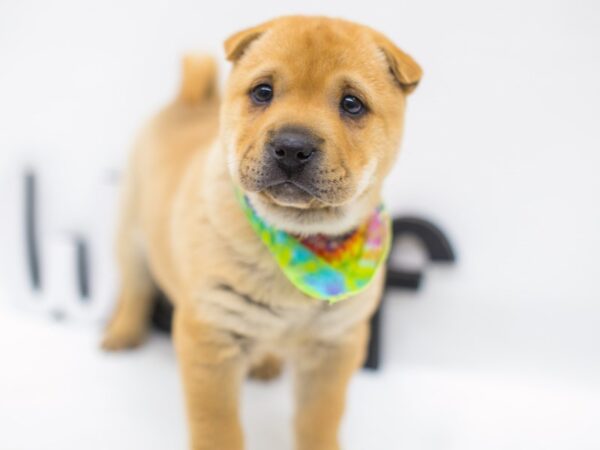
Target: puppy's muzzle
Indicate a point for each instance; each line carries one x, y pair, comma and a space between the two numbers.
292, 148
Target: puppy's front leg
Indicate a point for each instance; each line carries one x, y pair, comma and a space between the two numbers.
323, 370
212, 366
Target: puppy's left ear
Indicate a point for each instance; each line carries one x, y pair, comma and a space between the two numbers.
236, 45
405, 70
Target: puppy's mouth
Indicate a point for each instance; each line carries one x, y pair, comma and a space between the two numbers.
291, 194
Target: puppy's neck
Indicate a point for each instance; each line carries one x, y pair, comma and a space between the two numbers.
330, 221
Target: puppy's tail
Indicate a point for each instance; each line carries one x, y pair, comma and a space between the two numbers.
198, 79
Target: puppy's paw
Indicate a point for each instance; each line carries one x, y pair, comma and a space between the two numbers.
269, 368
119, 337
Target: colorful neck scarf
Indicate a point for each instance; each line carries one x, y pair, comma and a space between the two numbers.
324, 267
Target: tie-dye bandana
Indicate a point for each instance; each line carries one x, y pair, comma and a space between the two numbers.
324, 267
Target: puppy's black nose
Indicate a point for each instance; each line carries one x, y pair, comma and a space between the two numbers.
292, 148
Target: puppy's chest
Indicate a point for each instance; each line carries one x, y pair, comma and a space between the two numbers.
253, 298
262, 305
239, 287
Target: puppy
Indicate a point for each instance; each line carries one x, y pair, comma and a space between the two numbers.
309, 127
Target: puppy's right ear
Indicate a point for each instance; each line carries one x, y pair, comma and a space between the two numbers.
236, 45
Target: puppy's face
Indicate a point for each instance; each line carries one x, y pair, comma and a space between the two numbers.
312, 119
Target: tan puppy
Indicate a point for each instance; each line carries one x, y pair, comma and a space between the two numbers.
309, 128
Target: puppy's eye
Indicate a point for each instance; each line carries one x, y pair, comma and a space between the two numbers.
261, 94
352, 105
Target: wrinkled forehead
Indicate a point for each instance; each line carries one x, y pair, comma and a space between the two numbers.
313, 56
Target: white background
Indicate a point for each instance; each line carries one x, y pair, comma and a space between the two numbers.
502, 149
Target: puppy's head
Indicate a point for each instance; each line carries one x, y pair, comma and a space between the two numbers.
312, 119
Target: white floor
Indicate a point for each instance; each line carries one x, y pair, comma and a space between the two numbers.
58, 391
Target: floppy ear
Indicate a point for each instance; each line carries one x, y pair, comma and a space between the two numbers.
236, 45
406, 71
